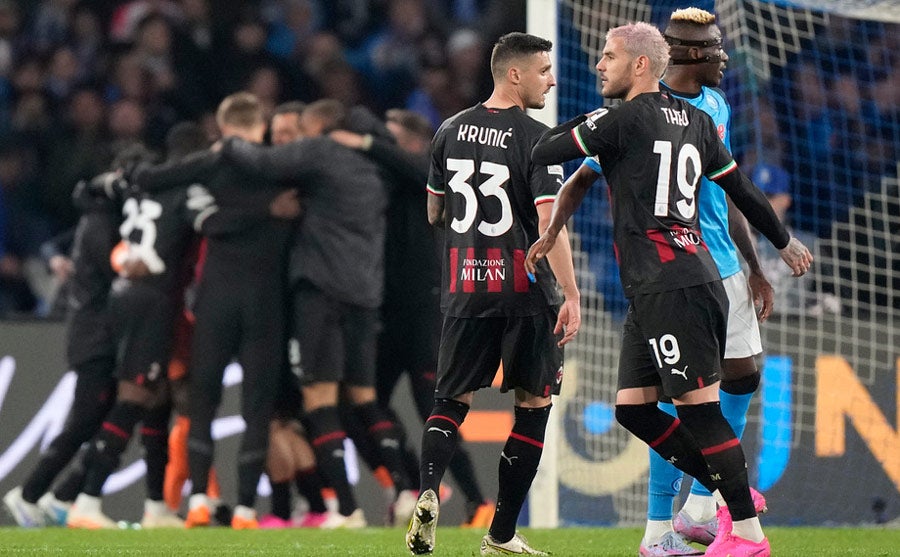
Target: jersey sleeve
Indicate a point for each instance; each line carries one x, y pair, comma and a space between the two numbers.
435, 185
545, 183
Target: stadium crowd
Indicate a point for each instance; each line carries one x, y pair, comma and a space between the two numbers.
79, 78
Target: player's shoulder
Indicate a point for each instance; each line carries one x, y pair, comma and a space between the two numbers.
716, 95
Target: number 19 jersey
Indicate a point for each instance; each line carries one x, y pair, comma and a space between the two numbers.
481, 166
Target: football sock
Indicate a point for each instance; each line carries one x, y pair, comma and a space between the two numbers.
387, 438
155, 439
734, 400
518, 464
701, 508
108, 445
72, 481
309, 485
439, 440
723, 452
177, 465
665, 480
655, 530
749, 529
281, 500
327, 439
666, 435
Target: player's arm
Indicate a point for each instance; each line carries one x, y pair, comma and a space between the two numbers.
754, 205
567, 201
560, 259
560, 144
194, 168
386, 154
213, 220
436, 213
763, 294
281, 162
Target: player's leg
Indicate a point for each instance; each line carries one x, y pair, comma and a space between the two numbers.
94, 396
318, 361
691, 353
144, 316
740, 379
360, 327
261, 357
306, 477
468, 359
637, 411
532, 364
216, 335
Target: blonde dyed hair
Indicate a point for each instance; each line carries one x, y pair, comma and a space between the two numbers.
693, 15
643, 39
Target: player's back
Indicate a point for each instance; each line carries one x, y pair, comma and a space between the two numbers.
654, 150
481, 164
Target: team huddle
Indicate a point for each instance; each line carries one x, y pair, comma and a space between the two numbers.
275, 257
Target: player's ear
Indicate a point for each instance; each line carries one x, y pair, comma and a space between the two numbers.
641, 64
513, 74
693, 53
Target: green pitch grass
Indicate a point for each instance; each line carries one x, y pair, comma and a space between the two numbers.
786, 542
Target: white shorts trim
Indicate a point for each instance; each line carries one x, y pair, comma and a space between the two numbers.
743, 340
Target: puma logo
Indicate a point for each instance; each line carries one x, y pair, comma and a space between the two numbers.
682, 372
508, 459
446, 432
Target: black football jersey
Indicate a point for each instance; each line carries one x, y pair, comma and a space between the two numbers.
653, 150
481, 165
157, 228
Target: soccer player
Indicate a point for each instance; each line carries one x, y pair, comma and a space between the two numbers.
493, 202
653, 149
90, 353
694, 73
336, 271
411, 310
144, 301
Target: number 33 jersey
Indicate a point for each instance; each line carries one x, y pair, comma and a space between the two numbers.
653, 150
481, 166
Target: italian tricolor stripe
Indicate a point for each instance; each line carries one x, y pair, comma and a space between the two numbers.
434, 191
728, 168
544, 199
576, 135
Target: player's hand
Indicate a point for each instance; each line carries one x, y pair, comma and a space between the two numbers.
61, 266
763, 295
797, 257
285, 205
569, 320
133, 267
539, 250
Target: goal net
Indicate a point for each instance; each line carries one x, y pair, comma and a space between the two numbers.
814, 90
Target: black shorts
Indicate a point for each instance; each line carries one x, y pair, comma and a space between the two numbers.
675, 339
336, 340
89, 337
473, 348
143, 320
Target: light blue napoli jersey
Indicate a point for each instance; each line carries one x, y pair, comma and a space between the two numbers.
713, 204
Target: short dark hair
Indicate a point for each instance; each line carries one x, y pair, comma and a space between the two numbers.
512, 46
331, 111
290, 107
185, 138
412, 121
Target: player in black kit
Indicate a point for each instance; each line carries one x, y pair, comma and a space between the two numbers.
143, 303
90, 352
493, 202
653, 148
336, 277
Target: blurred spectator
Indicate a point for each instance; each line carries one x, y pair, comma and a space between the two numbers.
469, 60
10, 40
291, 23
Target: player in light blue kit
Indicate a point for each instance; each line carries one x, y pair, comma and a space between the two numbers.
694, 73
